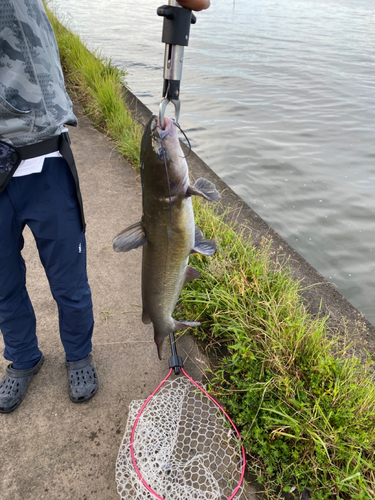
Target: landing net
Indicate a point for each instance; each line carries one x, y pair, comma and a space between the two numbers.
179, 444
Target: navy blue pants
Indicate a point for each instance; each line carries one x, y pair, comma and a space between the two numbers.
47, 203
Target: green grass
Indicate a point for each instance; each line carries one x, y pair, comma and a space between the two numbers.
99, 86
306, 409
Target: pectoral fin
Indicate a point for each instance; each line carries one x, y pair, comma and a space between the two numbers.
130, 238
202, 246
205, 189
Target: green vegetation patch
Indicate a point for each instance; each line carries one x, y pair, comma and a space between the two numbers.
99, 86
306, 411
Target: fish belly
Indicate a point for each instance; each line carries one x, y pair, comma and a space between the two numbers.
164, 263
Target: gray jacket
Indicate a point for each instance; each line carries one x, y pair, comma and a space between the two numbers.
33, 100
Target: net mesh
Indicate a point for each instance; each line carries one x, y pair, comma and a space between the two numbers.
184, 448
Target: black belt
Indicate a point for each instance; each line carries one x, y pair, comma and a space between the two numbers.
10, 158
39, 148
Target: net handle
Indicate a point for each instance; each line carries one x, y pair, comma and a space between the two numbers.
220, 408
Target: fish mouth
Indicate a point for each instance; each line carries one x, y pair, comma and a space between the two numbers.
158, 132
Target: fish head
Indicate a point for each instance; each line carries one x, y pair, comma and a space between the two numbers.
163, 165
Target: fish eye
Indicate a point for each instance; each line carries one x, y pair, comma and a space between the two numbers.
161, 154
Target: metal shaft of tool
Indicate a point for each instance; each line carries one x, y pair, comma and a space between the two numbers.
173, 60
176, 32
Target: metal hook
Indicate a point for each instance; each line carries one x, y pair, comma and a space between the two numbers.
164, 103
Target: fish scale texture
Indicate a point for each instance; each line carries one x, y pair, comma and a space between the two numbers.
184, 448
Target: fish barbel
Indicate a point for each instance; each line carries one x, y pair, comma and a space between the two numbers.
167, 230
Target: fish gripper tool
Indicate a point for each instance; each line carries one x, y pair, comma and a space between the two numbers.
176, 32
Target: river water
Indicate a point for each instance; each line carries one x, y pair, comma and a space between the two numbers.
278, 97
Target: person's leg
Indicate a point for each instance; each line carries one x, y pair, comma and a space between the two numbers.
56, 224
57, 228
17, 318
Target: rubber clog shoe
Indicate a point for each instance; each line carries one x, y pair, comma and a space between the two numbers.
82, 379
14, 384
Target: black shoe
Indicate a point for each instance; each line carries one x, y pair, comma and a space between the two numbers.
14, 384
82, 379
